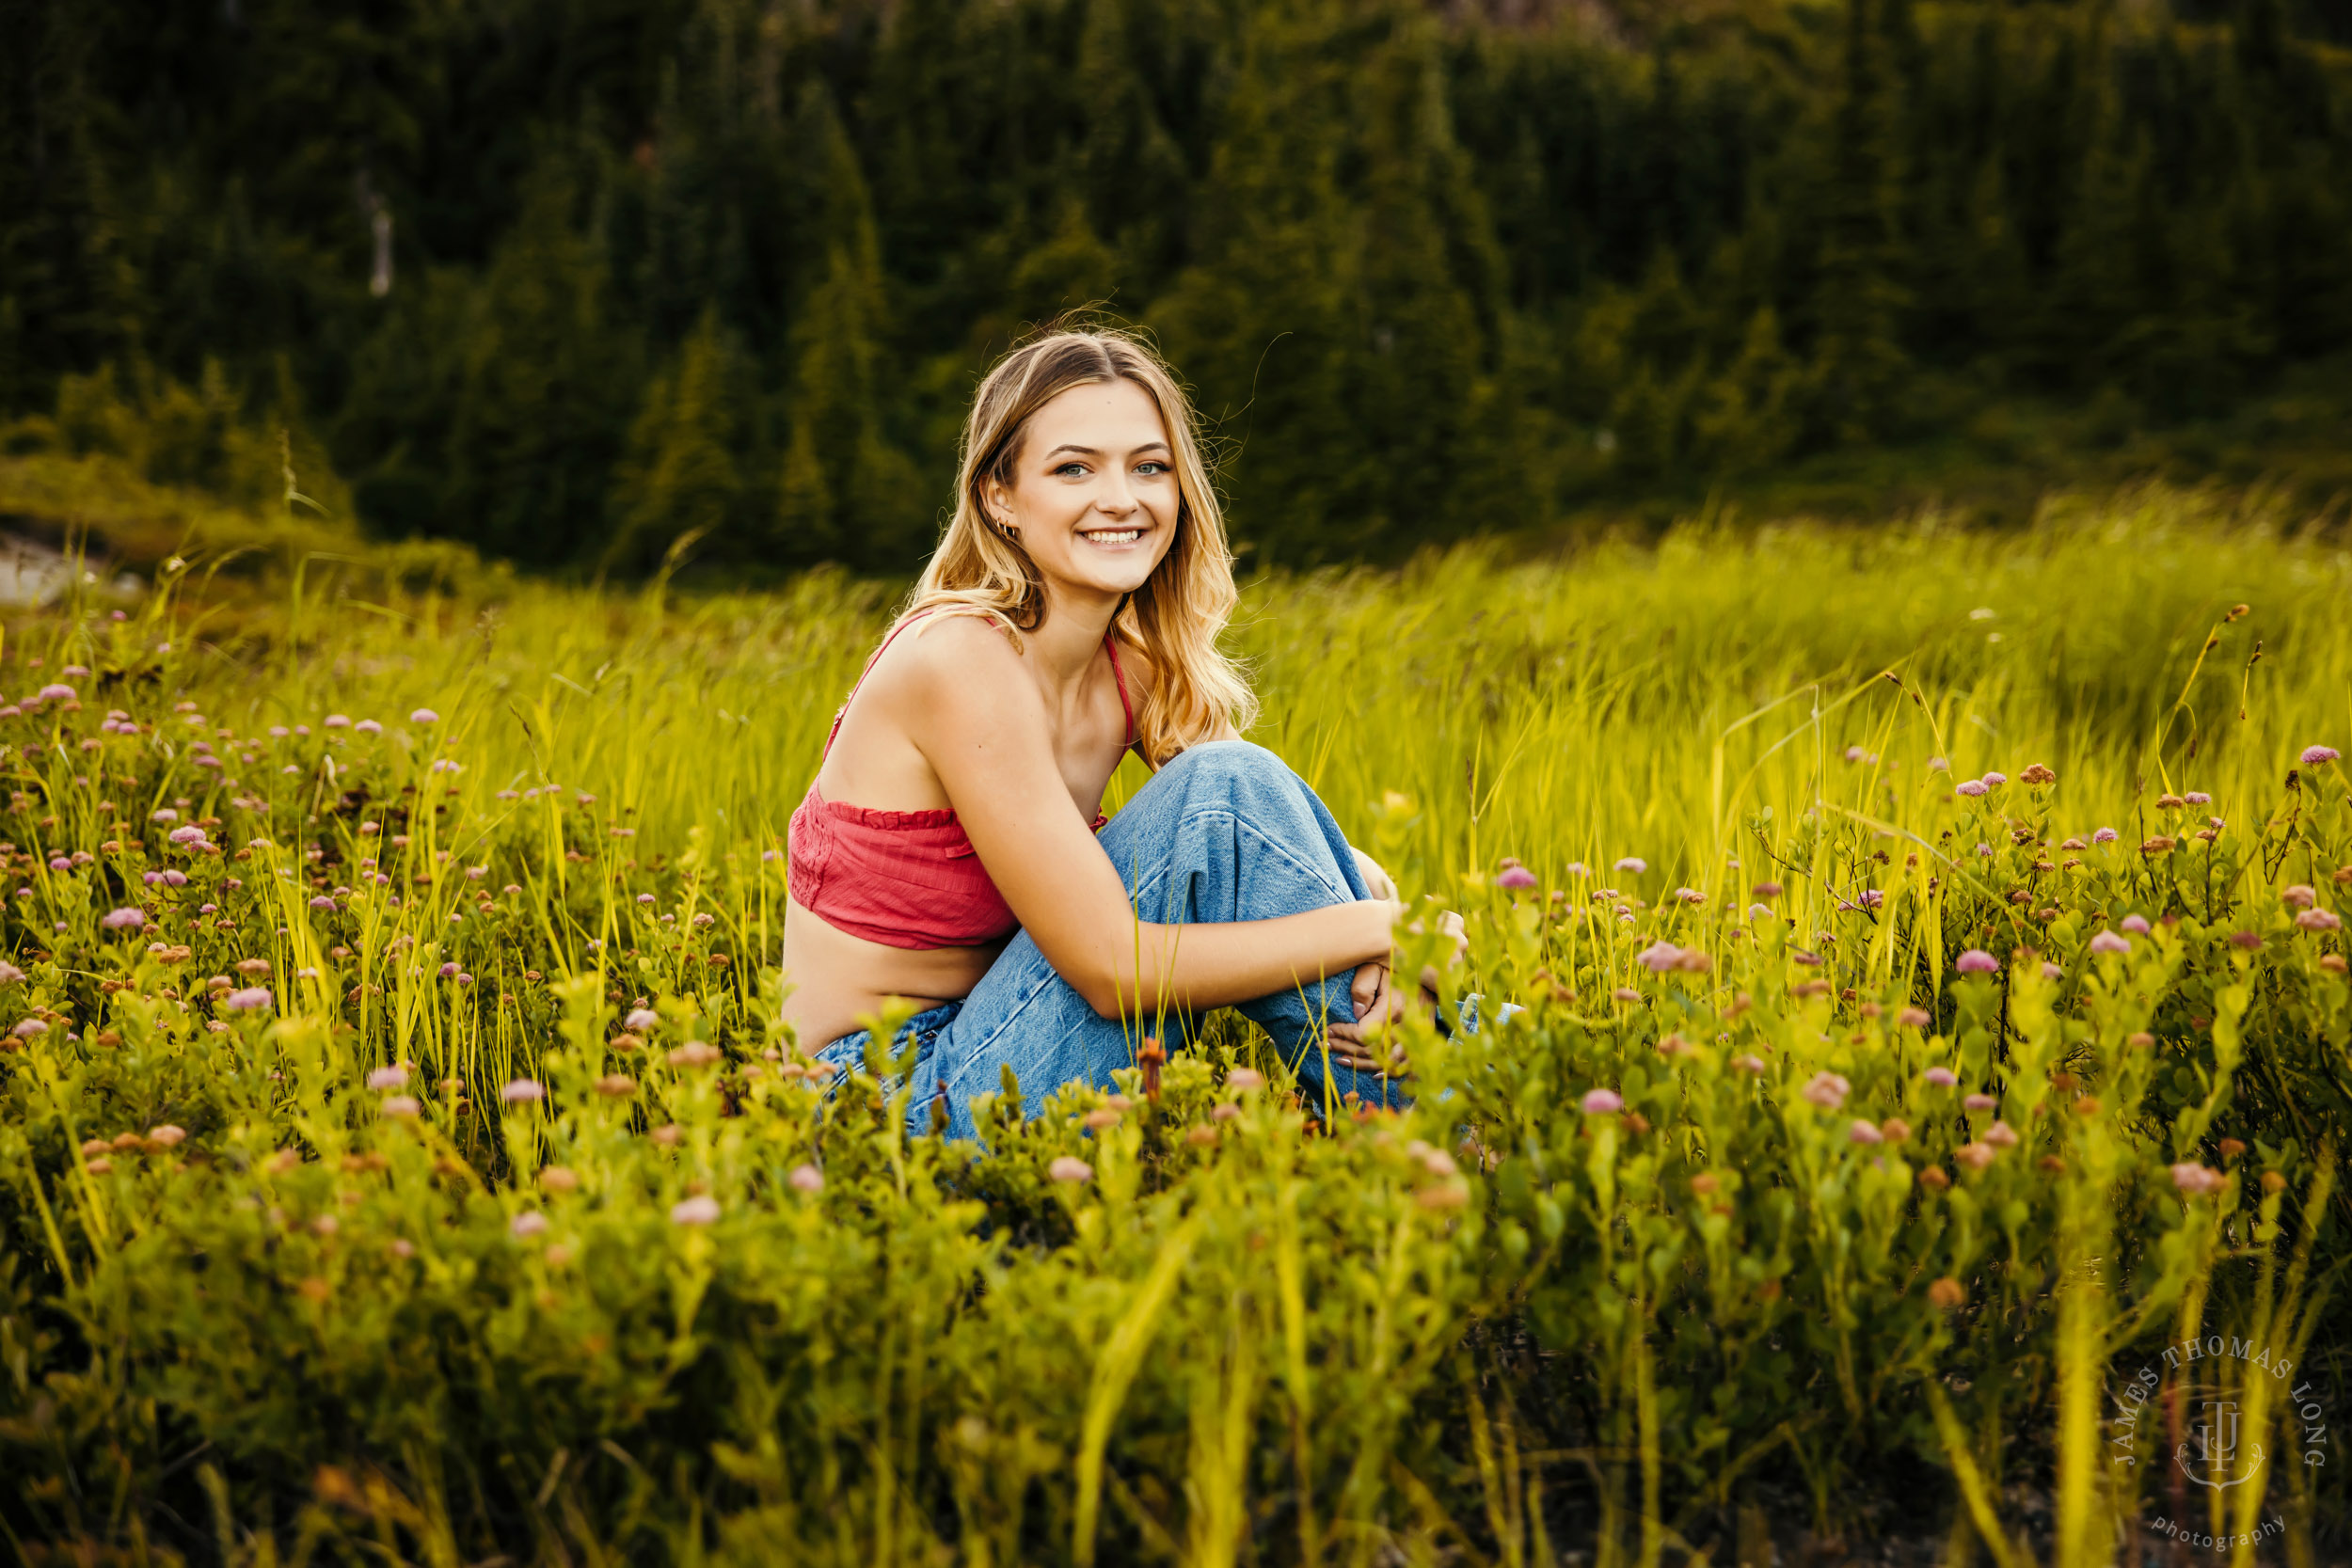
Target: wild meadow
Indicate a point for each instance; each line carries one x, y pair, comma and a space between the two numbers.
1926, 1103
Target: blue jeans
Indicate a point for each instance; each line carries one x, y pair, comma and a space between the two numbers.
1224, 832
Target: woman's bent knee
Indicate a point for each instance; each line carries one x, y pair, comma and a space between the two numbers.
1229, 762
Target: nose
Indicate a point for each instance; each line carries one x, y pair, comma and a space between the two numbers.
1117, 497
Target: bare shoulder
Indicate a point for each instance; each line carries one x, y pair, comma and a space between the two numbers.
956, 664
943, 643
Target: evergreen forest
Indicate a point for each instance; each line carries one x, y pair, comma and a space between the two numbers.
573, 281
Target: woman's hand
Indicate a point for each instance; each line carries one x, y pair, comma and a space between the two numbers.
1370, 1043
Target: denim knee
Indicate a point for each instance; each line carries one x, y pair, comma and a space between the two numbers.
1226, 763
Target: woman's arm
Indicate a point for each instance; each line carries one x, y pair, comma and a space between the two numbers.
978, 719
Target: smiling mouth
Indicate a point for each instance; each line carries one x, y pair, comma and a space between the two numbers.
1112, 535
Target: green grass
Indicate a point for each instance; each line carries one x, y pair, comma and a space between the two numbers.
1499, 1328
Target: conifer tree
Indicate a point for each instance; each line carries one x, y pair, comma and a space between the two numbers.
1258, 321
844, 489
1858, 359
1994, 293
547, 386
679, 473
1330, 324
1123, 148
2108, 261
1746, 417
1664, 363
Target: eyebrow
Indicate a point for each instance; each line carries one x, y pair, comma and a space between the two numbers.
1096, 452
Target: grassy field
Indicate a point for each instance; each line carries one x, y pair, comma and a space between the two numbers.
1936, 1010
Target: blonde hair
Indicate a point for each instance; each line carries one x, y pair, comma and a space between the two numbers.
1175, 617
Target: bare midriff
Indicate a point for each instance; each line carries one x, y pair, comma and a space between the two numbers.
841, 978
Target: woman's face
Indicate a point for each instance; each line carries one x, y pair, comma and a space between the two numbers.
1094, 492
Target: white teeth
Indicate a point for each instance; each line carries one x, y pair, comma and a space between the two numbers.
1126, 536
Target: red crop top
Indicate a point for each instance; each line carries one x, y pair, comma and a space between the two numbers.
904, 879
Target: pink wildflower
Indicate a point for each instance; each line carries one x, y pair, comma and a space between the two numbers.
1515, 877
1070, 1168
425, 716
1863, 1132
1977, 961
251, 999
2193, 1178
2319, 756
527, 1223
394, 1077
699, 1209
2107, 942
1602, 1102
1942, 1077
1828, 1090
523, 1091
806, 1179
2136, 923
126, 919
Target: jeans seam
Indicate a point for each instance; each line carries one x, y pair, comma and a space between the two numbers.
1342, 893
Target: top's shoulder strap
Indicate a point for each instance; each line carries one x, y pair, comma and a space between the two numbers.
1110, 646
843, 711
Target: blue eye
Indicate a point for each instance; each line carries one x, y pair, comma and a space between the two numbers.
1151, 466
1069, 469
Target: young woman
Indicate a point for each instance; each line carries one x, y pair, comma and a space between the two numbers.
951, 850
